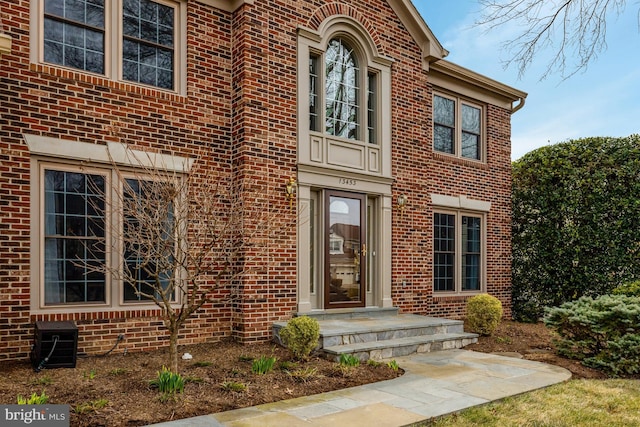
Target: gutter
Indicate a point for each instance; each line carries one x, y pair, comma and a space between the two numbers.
520, 104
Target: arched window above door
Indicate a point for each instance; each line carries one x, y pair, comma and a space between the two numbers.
344, 99
342, 90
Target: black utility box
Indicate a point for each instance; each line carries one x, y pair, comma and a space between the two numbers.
62, 338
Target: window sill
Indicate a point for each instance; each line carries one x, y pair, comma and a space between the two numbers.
100, 80
478, 164
450, 296
97, 312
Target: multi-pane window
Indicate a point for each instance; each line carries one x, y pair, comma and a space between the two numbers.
457, 127
148, 43
74, 237
342, 86
339, 80
147, 248
335, 246
470, 140
444, 124
75, 34
471, 247
457, 258
84, 228
314, 78
444, 243
372, 101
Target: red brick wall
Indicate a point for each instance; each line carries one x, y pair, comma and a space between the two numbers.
264, 143
444, 175
50, 101
240, 106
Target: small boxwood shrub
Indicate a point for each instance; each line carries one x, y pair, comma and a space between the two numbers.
301, 336
483, 314
604, 333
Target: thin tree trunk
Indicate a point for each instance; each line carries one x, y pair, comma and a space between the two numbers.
173, 348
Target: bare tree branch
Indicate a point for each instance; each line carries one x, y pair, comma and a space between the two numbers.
574, 30
185, 240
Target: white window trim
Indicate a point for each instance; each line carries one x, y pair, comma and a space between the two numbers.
460, 202
226, 5
457, 137
111, 152
462, 206
113, 43
84, 157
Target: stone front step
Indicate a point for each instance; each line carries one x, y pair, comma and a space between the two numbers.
352, 313
378, 350
381, 335
340, 332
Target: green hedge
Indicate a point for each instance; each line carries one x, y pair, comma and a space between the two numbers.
574, 227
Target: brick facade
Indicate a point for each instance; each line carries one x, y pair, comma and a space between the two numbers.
240, 105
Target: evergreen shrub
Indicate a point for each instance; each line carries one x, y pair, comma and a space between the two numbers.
630, 289
604, 333
483, 314
301, 336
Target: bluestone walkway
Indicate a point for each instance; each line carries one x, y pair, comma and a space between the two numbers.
434, 384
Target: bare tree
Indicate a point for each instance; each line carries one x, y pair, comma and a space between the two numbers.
186, 239
571, 28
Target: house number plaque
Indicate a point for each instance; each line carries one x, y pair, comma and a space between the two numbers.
345, 181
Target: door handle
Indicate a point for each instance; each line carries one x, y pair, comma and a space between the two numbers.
364, 250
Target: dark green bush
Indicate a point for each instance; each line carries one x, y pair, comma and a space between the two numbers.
483, 314
574, 223
301, 336
527, 306
603, 333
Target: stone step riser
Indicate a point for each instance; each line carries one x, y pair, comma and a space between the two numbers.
352, 338
391, 352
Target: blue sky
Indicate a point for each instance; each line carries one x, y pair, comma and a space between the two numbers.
601, 101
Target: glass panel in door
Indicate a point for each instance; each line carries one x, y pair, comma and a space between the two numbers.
345, 250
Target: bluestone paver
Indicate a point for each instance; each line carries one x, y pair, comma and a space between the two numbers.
434, 384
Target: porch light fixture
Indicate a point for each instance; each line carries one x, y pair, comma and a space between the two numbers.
402, 203
291, 190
